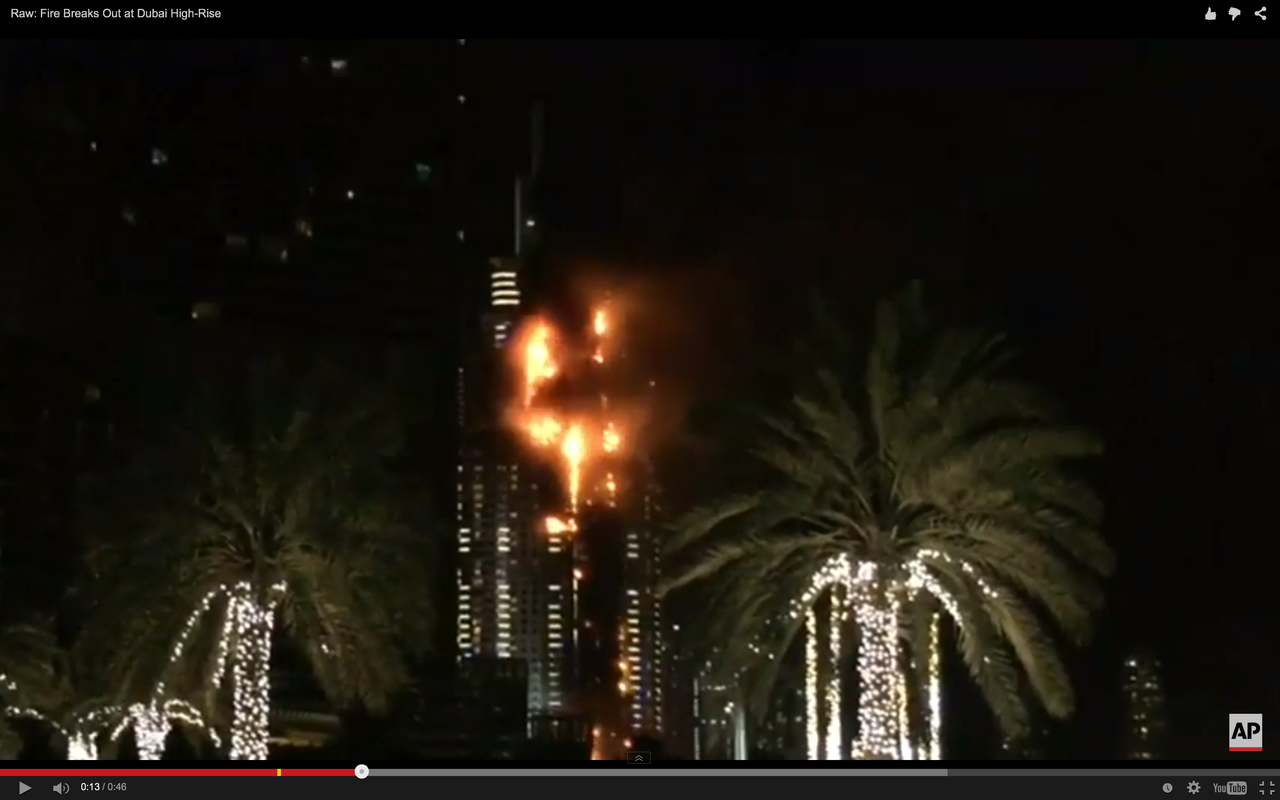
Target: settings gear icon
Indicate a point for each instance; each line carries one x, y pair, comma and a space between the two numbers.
1193, 787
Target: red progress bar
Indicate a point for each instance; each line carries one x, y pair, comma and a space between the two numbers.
258, 772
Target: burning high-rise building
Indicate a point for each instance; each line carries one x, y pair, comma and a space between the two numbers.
514, 568
579, 411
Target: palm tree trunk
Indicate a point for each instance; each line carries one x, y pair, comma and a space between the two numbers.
150, 731
880, 700
82, 746
250, 672
740, 751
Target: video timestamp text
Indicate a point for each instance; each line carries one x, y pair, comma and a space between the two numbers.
103, 786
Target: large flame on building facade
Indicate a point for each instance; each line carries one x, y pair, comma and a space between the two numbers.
576, 440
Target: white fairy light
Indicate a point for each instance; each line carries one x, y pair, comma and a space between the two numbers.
813, 728
151, 723
81, 746
875, 608
222, 649
875, 597
31, 713
835, 687
150, 730
193, 621
906, 748
935, 692
836, 572
250, 665
242, 651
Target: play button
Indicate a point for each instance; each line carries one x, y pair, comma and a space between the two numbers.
23, 788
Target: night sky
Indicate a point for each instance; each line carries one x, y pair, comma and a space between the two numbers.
1113, 204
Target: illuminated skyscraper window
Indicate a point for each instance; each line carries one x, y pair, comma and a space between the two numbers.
1144, 704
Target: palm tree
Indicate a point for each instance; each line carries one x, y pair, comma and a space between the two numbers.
926, 484
273, 503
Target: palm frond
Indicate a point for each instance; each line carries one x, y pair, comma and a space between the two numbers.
33, 664
984, 652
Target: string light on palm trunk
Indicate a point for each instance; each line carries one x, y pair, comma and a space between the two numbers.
253, 621
873, 597
244, 644
81, 746
813, 725
823, 734
935, 691
875, 608
835, 687
906, 747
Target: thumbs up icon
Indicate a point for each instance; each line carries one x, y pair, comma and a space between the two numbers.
1211, 14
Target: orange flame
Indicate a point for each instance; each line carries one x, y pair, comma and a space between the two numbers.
544, 430
557, 525
574, 449
600, 326
611, 440
539, 361
575, 442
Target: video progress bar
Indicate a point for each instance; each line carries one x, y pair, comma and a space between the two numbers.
233, 772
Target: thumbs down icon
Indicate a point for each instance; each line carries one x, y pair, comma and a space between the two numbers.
1233, 13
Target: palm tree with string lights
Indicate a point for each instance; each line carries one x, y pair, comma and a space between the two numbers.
273, 506
923, 498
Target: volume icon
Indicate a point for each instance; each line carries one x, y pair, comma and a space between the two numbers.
61, 788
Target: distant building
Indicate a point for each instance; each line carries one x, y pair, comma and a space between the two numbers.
780, 733
1144, 707
559, 737
713, 716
